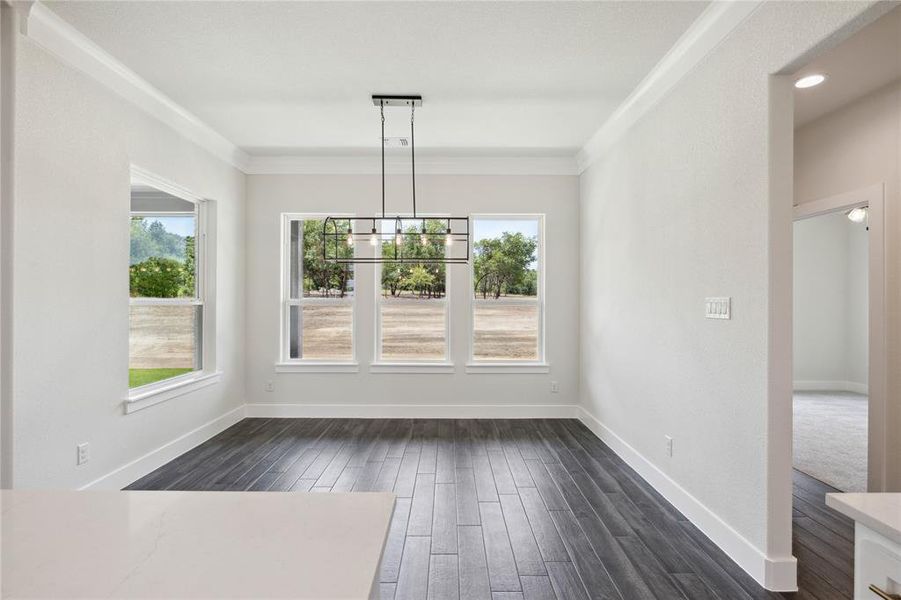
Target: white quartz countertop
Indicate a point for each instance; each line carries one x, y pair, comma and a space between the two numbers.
65, 544
879, 512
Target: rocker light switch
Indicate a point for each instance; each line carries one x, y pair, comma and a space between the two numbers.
718, 308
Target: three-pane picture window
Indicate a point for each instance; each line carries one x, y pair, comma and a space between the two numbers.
507, 281
165, 288
412, 310
412, 299
318, 299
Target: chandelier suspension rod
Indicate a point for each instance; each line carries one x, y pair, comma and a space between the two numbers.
413, 157
382, 109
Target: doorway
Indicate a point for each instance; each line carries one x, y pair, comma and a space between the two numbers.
831, 347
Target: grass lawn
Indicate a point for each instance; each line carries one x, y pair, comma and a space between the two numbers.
139, 377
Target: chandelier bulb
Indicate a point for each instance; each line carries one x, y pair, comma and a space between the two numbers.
398, 238
449, 238
374, 238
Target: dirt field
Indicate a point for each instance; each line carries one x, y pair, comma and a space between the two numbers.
505, 332
161, 337
327, 332
412, 329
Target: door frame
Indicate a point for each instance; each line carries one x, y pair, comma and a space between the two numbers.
872, 197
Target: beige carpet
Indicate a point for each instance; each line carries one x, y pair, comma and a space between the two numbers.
830, 438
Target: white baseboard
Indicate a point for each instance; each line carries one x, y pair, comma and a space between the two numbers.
831, 386
777, 574
154, 459
415, 411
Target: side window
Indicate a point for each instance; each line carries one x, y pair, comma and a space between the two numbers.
508, 299
166, 299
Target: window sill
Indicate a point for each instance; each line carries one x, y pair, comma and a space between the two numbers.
317, 367
145, 398
508, 367
412, 367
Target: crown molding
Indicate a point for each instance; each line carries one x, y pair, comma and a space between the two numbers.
425, 165
55, 35
62, 40
717, 21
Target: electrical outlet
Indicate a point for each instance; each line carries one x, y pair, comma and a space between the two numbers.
269, 387
555, 387
84, 453
669, 445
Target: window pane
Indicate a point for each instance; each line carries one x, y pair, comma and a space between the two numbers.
163, 342
323, 332
505, 258
318, 278
162, 258
413, 329
503, 331
412, 306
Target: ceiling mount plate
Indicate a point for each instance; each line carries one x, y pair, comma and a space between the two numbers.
397, 100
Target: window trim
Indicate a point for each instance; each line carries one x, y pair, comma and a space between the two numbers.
286, 364
159, 391
539, 365
410, 365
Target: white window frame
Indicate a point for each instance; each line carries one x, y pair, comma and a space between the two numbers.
159, 391
380, 364
482, 365
286, 364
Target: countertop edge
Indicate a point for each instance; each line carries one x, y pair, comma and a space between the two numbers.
839, 502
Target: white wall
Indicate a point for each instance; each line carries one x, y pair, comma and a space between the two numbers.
830, 303
685, 206
855, 147
75, 142
271, 195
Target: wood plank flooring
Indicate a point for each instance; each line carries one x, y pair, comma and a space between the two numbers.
503, 509
823, 542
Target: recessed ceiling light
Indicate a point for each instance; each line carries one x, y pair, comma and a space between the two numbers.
809, 81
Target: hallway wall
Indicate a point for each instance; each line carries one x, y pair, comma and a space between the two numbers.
857, 146
830, 304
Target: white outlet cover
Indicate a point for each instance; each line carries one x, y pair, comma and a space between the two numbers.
84, 453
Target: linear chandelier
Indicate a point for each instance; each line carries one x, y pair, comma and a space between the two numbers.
415, 239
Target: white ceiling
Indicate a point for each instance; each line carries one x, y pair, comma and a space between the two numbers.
865, 62
295, 77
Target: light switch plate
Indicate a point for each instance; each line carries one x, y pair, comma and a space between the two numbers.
718, 308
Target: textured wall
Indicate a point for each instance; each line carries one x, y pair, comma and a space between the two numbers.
680, 208
73, 152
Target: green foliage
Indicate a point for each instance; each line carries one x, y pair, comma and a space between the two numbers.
162, 264
159, 277
418, 280
424, 279
504, 266
321, 278
150, 238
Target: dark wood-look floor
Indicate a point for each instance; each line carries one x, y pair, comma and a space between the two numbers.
494, 509
823, 543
